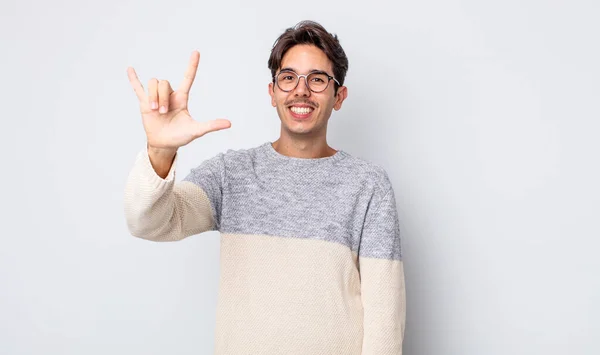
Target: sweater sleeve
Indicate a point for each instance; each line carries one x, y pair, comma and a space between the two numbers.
382, 276
161, 210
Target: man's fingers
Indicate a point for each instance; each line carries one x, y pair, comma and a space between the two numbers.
136, 84
164, 93
153, 93
190, 73
203, 128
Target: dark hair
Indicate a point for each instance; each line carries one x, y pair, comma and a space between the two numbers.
310, 32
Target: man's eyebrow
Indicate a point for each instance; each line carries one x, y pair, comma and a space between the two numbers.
311, 71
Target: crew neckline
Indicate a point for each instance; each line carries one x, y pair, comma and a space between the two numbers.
271, 152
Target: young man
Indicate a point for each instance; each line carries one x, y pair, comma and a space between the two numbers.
310, 246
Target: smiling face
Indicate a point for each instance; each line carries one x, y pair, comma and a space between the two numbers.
302, 111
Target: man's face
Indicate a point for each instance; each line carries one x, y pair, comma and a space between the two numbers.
302, 111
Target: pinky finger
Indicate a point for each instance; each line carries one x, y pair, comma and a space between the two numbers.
136, 84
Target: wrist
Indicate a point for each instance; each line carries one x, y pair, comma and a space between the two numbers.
161, 160
162, 153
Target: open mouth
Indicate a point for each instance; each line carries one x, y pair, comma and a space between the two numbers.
301, 112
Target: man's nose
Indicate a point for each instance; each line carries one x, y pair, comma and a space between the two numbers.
302, 87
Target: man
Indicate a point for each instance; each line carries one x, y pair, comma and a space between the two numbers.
310, 245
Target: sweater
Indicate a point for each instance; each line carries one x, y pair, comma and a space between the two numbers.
310, 252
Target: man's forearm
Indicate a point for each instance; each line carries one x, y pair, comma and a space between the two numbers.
158, 209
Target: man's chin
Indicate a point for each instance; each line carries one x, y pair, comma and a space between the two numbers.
298, 129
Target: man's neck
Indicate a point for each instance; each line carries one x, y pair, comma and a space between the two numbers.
303, 148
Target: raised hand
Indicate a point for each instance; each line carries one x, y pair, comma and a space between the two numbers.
167, 121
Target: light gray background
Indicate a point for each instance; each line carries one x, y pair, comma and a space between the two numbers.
485, 115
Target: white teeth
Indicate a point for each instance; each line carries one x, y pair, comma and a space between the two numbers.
301, 110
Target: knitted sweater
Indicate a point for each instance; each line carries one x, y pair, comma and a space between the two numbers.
310, 256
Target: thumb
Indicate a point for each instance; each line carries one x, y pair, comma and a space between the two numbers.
202, 128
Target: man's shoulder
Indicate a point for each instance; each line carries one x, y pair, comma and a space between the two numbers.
240, 154
366, 170
236, 153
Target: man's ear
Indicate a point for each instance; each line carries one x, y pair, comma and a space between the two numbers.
272, 94
342, 94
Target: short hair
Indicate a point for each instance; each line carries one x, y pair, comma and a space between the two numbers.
310, 32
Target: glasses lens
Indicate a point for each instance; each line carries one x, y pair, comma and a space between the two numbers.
318, 82
287, 81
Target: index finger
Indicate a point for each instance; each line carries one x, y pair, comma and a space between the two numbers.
190, 73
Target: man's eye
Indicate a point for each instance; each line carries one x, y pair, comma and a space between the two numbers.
288, 78
318, 80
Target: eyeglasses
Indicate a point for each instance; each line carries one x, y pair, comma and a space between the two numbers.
317, 81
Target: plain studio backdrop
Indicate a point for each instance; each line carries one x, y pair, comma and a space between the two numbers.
485, 115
